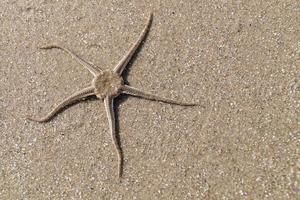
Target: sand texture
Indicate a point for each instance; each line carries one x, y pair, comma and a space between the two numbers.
240, 60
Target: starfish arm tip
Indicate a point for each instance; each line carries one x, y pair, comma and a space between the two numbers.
48, 46
36, 119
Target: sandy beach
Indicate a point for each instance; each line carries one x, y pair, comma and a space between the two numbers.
238, 60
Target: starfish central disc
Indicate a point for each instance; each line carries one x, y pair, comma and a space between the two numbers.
107, 83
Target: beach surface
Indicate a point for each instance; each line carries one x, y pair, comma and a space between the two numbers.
240, 61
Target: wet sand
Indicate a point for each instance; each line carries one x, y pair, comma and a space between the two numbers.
240, 61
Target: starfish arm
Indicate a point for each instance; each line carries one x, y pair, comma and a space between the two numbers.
136, 92
94, 70
108, 102
71, 99
123, 63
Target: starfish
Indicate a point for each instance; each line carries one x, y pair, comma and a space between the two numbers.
106, 85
